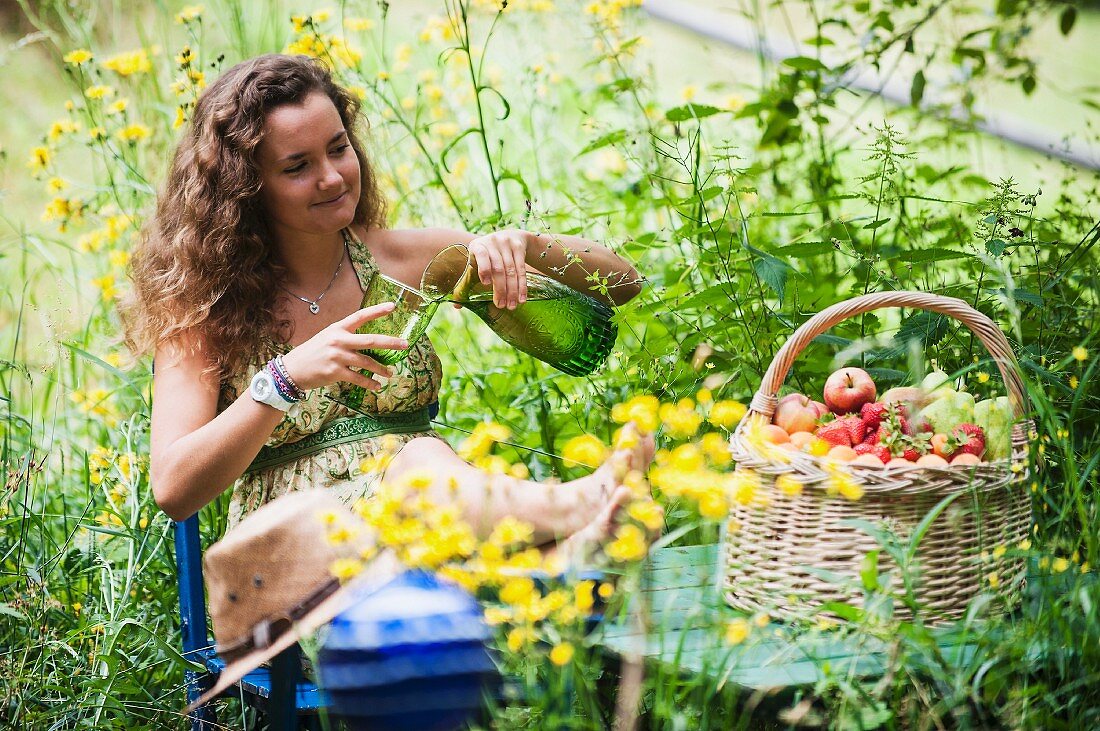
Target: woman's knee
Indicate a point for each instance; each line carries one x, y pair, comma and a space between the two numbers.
420, 453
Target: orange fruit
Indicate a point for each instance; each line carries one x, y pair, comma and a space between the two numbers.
899, 462
842, 453
869, 460
802, 439
776, 434
965, 460
939, 445
931, 460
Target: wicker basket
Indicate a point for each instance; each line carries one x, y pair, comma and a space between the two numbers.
777, 556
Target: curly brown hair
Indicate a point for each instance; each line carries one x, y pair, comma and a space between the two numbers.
204, 267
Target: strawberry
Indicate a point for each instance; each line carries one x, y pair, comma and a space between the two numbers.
873, 414
966, 439
845, 431
875, 448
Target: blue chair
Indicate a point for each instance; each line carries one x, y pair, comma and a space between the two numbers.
278, 692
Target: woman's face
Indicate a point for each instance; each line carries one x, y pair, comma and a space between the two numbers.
308, 169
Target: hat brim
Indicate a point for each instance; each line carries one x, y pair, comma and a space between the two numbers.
380, 572
238, 668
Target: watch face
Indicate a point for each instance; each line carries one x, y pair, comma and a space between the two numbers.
262, 387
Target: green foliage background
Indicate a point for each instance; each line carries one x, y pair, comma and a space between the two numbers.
749, 204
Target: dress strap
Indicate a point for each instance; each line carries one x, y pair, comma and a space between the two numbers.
342, 431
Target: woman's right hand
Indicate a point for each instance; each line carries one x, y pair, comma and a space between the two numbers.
333, 354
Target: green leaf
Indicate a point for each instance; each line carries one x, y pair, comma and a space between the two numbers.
996, 247
877, 223
844, 611
122, 376
690, 111
1067, 19
772, 271
928, 328
610, 138
805, 249
869, 571
934, 254
1028, 84
916, 89
1021, 295
805, 63
7, 611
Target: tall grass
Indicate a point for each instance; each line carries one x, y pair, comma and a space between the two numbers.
748, 209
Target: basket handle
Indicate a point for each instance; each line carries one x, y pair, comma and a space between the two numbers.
764, 401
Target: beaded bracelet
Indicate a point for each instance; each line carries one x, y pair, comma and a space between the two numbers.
280, 385
299, 394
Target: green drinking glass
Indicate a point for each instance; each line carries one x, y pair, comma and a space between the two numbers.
409, 320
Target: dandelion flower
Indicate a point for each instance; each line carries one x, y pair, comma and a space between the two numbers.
189, 14
737, 631
585, 449
1080, 354
78, 57
561, 654
726, 414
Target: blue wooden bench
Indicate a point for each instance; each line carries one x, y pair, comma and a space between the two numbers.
287, 701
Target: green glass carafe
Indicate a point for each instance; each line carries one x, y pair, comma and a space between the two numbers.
556, 324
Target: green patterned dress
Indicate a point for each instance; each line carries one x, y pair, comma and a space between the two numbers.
326, 444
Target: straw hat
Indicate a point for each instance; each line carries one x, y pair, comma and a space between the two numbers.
269, 580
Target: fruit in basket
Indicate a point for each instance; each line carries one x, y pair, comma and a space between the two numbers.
846, 431
948, 411
775, 434
966, 439
931, 460
914, 395
872, 414
841, 453
995, 417
965, 460
802, 439
936, 385
878, 451
868, 460
899, 462
848, 389
797, 413
939, 445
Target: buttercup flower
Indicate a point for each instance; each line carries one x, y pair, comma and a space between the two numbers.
561, 654
585, 449
77, 57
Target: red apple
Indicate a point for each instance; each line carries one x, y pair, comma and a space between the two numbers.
848, 389
796, 413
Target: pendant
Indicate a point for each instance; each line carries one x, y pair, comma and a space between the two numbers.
314, 307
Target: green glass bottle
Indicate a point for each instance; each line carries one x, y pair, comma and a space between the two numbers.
556, 324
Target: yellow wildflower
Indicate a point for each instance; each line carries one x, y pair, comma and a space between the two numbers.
129, 63
78, 57
606, 590
1080, 354
60, 128
359, 92
647, 512
1060, 565
629, 544
993, 579
357, 25
189, 14
510, 531
788, 485
561, 654
704, 396
983, 377
119, 258
106, 285
843, 483
133, 133
39, 159
642, 410
1073, 382
518, 638
737, 631
717, 449
585, 449
517, 591
726, 414
346, 568
713, 504
99, 91
583, 599
681, 420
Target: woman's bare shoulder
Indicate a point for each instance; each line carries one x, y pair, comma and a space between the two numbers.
403, 253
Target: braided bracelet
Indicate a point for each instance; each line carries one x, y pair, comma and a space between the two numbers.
299, 394
280, 385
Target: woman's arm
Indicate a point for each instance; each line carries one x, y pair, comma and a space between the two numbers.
197, 453
503, 256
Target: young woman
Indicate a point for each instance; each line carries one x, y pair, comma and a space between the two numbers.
247, 287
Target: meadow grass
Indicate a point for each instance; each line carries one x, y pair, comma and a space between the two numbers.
745, 217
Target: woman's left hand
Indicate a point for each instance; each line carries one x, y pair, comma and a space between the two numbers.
502, 261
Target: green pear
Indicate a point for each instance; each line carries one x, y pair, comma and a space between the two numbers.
995, 417
937, 384
948, 411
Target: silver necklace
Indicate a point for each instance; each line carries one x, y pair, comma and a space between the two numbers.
315, 304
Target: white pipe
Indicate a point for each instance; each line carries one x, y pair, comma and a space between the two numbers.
729, 30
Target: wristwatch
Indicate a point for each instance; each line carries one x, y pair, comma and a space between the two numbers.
263, 389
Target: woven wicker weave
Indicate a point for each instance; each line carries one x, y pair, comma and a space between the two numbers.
775, 559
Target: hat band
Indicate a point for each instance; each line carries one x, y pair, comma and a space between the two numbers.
342, 431
269, 629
